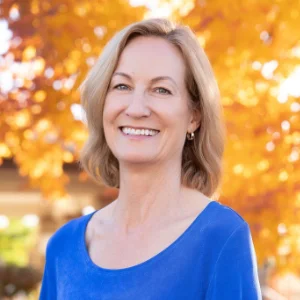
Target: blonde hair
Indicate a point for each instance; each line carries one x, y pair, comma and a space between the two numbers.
202, 157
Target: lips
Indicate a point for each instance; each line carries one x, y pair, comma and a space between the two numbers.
140, 128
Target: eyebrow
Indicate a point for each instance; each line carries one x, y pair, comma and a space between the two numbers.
153, 80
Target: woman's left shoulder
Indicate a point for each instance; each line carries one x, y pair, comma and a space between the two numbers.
219, 217
226, 220
229, 213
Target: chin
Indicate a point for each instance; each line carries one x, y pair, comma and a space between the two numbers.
135, 158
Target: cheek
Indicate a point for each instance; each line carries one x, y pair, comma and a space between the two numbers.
109, 117
110, 111
177, 116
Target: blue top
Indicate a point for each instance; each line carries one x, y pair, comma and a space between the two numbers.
214, 259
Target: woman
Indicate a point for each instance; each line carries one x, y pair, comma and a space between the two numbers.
156, 132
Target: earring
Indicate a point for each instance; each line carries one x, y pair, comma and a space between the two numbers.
190, 136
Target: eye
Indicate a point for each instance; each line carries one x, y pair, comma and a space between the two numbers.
163, 91
121, 87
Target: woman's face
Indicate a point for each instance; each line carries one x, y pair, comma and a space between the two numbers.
146, 115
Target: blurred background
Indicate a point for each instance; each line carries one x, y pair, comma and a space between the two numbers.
46, 49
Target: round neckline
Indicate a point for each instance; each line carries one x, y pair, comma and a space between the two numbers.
150, 260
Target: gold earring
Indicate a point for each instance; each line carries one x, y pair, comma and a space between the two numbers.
190, 136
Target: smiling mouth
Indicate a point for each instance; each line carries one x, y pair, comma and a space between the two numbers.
139, 131
131, 127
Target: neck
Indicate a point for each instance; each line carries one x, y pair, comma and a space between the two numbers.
147, 196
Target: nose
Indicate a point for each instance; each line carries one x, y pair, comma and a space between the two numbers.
138, 106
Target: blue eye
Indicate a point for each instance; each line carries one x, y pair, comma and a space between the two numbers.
121, 87
163, 91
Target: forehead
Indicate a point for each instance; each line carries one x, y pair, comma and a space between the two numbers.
152, 56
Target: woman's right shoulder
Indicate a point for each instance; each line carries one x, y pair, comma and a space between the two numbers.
67, 234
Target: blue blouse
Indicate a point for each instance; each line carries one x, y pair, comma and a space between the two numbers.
214, 259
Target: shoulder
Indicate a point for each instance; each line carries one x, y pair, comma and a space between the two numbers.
218, 220
231, 257
66, 235
226, 218
219, 217
224, 234
225, 224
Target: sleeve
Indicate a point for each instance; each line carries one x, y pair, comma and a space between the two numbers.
235, 274
48, 285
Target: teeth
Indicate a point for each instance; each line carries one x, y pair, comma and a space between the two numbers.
132, 131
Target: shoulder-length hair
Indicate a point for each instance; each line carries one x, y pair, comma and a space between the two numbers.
202, 157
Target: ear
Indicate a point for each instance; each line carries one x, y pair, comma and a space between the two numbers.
194, 121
